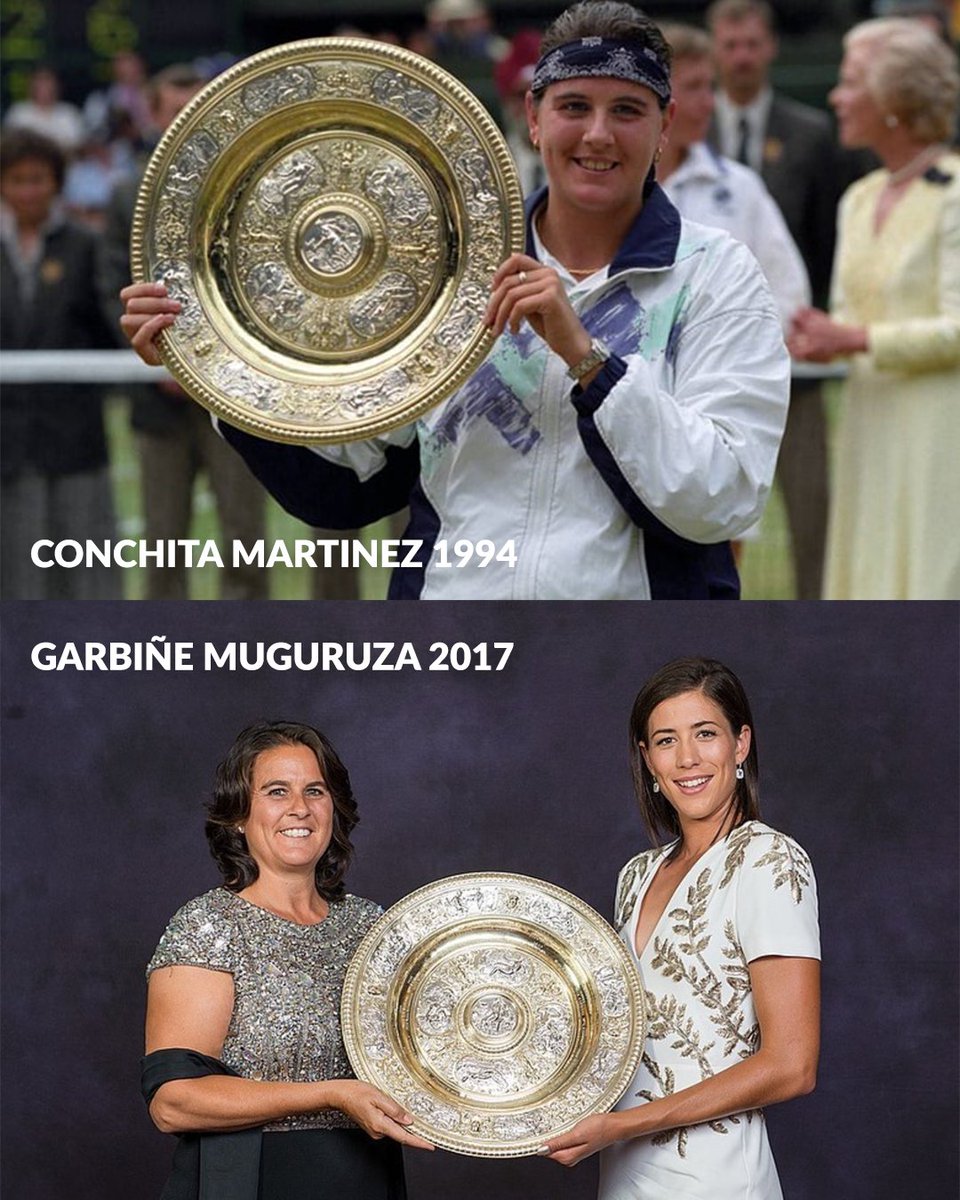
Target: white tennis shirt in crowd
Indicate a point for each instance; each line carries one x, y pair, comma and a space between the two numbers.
724, 194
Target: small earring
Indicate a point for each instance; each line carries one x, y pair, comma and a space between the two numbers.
891, 120
240, 830
656, 786
739, 770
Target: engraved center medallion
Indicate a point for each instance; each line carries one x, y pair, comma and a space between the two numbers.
493, 1020
331, 243
494, 1015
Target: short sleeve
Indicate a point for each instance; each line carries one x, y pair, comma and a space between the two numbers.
362, 914
776, 909
200, 934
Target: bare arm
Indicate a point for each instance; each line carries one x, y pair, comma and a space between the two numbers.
190, 1008
786, 994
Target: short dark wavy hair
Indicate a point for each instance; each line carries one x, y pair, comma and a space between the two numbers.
719, 684
230, 805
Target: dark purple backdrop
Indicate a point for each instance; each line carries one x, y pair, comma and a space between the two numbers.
104, 776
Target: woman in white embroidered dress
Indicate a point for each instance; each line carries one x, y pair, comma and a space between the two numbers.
722, 922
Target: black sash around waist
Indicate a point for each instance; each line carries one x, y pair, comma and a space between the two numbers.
229, 1162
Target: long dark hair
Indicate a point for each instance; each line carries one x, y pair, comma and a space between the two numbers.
719, 684
230, 805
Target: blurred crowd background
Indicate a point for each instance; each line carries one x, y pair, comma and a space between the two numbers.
102, 80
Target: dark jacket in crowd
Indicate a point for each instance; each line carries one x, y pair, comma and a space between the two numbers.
56, 429
801, 168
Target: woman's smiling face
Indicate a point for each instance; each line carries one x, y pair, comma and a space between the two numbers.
290, 821
598, 138
693, 754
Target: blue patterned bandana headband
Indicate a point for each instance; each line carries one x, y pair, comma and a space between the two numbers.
606, 58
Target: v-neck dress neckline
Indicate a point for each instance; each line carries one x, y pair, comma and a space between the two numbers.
645, 886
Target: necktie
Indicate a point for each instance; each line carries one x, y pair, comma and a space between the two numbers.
743, 149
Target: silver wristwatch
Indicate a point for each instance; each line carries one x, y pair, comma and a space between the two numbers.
599, 353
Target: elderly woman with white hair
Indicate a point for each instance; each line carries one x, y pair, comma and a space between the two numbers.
896, 317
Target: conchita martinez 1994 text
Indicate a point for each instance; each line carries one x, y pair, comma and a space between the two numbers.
313, 553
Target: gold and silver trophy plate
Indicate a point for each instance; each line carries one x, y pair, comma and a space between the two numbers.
330, 214
498, 1009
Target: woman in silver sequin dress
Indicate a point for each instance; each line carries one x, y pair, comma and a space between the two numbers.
244, 1055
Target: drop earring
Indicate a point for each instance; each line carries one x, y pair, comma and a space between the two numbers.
739, 770
656, 786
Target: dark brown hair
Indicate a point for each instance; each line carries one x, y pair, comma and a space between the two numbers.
606, 19
230, 805
24, 145
178, 75
719, 684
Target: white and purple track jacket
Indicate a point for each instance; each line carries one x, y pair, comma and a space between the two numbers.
627, 490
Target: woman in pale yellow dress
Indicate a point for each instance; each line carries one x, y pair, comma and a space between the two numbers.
896, 317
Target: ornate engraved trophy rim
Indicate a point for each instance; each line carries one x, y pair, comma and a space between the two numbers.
430, 358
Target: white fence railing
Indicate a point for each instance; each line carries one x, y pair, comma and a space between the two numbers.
74, 366
123, 366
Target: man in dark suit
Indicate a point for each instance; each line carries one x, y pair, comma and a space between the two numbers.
792, 146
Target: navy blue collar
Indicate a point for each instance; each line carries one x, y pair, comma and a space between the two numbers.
651, 241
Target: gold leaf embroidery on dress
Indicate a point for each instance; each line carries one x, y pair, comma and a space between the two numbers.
631, 879
791, 864
667, 1082
668, 1018
668, 1087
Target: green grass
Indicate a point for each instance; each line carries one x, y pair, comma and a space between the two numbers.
286, 583
765, 568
